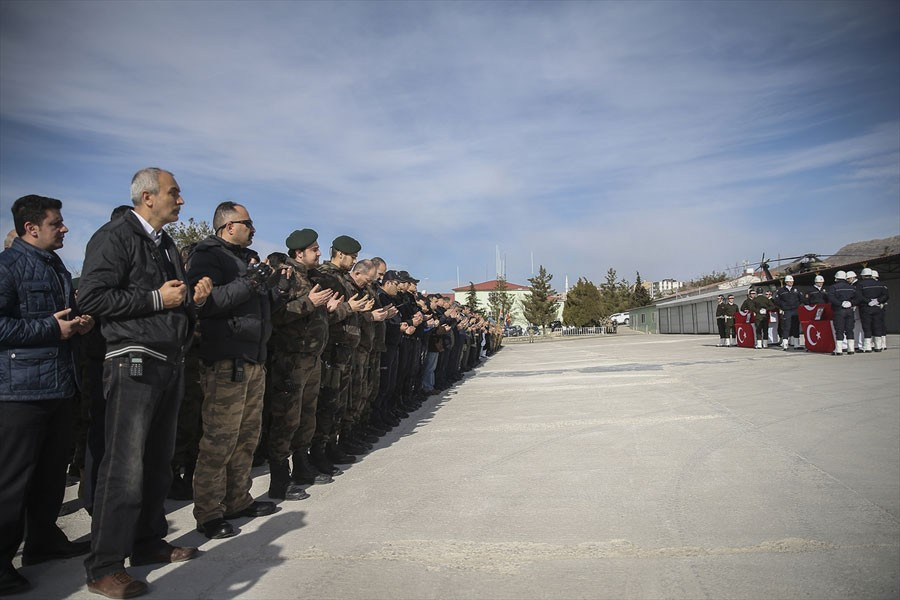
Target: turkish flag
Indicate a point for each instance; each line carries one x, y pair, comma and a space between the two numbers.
818, 336
815, 312
745, 333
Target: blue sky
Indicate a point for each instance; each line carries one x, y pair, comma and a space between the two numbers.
668, 138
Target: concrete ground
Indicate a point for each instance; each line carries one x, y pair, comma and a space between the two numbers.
623, 466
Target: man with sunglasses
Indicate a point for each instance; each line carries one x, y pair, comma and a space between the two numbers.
235, 325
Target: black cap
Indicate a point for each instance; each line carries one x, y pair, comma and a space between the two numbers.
405, 276
301, 239
390, 276
346, 244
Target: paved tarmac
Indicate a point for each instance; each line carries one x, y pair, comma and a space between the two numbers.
623, 466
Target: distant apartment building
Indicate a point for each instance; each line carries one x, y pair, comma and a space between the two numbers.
665, 287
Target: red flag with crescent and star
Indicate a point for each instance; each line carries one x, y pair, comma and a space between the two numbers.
816, 326
744, 330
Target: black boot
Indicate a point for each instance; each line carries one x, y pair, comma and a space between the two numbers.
361, 433
280, 485
319, 459
304, 472
336, 456
348, 444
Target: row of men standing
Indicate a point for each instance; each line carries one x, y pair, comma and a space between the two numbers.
324, 400
853, 301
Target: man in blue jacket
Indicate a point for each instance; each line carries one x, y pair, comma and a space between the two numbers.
38, 321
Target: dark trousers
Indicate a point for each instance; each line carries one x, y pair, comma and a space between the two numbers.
93, 373
34, 442
872, 320
135, 474
843, 323
790, 324
388, 381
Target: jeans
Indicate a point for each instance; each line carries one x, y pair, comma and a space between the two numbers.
135, 473
428, 373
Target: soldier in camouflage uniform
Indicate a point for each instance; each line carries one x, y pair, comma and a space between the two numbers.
337, 358
235, 326
353, 439
300, 332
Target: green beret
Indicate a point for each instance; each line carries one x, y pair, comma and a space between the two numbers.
346, 244
301, 239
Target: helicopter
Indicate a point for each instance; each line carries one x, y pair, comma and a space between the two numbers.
804, 264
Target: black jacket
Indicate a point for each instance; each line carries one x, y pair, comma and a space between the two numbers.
789, 298
123, 271
235, 321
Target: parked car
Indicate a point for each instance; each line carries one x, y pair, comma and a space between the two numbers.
556, 325
513, 331
620, 318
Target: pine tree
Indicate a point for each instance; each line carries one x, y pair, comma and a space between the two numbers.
186, 233
583, 306
540, 306
615, 295
640, 296
500, 301
472, 299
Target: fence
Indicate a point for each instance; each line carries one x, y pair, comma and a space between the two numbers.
603, 330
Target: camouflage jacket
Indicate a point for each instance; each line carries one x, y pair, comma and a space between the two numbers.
343, 323
298, 326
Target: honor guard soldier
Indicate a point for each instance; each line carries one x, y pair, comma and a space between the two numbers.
788, 298
817, 295
843, 297
871, 310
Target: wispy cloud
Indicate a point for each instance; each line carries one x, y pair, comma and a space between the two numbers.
642, 136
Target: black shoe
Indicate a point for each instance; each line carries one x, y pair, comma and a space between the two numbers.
306, 474
61, 549
335, 455
256, 509
363, 435
375, 430
11, 582
354, 445
318, 458
216, 529
280, 485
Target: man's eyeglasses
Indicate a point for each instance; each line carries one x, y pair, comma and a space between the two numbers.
245, 222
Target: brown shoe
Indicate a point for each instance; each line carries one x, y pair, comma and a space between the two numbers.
118, 585
164, 554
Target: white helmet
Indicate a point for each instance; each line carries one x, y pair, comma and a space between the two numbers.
851, 275
789, 278
820, 279
867, 272
874, 274
840, 275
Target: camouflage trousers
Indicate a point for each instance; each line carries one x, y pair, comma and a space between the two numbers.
374, 383
334, 391
292, 393
359, 387
232, 415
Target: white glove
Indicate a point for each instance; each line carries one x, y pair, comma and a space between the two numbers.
846, 304
762, 311
873, 302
